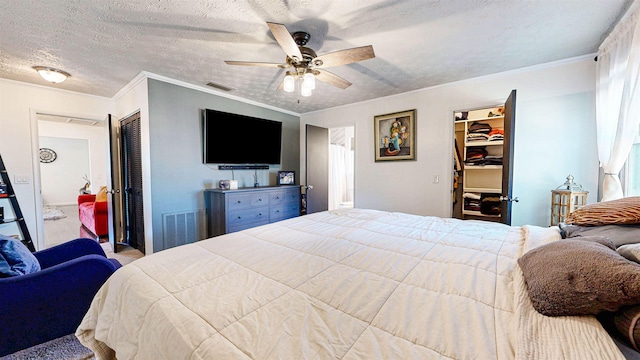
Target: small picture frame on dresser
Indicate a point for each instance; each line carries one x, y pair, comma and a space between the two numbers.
286, 177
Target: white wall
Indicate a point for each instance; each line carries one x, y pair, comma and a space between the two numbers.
62, 178
96, 138
19, 103
554, 136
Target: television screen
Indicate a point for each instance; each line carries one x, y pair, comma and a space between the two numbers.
237, 139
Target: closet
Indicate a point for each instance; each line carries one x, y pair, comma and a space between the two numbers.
483, 148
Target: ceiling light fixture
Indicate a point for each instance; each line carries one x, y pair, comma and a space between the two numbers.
52, 75
305, 81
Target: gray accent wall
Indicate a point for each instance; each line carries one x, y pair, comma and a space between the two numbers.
178, 176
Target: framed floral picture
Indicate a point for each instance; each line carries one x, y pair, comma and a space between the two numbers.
395, 136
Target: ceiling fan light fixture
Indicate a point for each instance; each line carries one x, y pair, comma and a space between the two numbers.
52, 75
309, 80
289, 82
305, 91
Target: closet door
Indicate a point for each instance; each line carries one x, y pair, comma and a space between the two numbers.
132, 176
507, 159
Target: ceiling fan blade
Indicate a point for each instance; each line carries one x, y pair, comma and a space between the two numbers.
347, 56
332, 79
250, 63
284, 39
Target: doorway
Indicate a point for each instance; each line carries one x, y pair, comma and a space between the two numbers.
330, 168
341, 167
74, 154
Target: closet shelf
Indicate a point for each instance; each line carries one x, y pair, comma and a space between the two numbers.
481, 119
478, 213
482, 190
483, 143
482, 167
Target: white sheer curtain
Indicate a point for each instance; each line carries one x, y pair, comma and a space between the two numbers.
618, 99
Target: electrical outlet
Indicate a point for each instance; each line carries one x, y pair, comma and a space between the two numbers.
21, 179
435, 179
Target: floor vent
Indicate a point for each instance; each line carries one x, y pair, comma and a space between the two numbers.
219, 87
183, 228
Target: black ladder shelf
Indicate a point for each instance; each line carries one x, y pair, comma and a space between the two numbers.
10, 196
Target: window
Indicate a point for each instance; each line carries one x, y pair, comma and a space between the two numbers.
632, 169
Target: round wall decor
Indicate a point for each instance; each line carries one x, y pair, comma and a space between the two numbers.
47, 155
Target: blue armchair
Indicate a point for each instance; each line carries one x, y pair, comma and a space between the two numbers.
50, 303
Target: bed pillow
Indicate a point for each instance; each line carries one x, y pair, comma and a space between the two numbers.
619, 234
102, 194
620, 211
625, 323
630, 252
579, 276
15, 258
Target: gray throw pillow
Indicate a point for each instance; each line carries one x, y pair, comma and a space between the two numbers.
619, 234
630, 252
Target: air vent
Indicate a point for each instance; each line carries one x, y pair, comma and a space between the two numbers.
219, 87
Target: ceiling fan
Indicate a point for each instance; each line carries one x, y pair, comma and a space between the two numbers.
305, 65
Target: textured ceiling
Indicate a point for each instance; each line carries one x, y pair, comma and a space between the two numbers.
418, 43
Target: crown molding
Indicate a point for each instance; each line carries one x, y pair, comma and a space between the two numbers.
149, 75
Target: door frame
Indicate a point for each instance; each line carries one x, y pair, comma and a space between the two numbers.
38, 234
303, 151
114, 181
452, 130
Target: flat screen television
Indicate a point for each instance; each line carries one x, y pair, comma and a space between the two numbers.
237, 139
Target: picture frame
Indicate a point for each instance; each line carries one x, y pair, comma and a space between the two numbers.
286, 177
395, 136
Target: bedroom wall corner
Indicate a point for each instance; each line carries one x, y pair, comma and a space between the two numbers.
132, 98
177, 173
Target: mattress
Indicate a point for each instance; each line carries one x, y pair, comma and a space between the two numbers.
346, 284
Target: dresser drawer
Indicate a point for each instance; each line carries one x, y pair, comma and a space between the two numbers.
284, 211
248, 216
260, 199
291, 195
276, 197
239, 201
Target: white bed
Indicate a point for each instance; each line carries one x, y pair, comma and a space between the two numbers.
348, 284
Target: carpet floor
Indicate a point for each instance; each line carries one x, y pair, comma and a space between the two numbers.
64, 348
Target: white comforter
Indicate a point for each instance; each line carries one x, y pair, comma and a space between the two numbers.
353, 284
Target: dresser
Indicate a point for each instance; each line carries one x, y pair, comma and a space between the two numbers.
234, 210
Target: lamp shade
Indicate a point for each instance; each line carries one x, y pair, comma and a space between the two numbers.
52, 75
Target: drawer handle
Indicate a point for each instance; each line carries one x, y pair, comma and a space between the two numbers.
239, 217
259, 199
277, 197
239, 201
277, 211
260, 214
